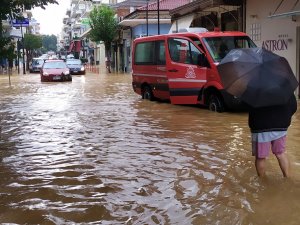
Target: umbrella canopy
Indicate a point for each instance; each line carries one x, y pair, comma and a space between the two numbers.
258, 76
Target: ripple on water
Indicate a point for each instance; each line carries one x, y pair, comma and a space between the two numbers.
92, 152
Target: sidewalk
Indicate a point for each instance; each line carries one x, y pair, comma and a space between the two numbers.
94, 68
5, 73
100, 69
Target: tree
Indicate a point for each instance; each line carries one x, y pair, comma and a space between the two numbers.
12, 9
31, 43
50, 42
103, 28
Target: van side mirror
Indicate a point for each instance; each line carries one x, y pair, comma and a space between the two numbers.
202, 61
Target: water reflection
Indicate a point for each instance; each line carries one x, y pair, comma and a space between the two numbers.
92, 152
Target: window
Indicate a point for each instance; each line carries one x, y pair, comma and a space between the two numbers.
218, 47
150, 53
183, 51
161, 49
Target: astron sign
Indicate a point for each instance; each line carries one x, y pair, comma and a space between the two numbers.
279, 44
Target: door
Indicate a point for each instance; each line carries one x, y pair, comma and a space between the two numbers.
185, 77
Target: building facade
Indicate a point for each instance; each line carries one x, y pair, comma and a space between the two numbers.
276, 27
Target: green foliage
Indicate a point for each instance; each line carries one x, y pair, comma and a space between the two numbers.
4, 43
10, 9
50, 42
11, 54
103, 25
7, 49
83, 60
32, 42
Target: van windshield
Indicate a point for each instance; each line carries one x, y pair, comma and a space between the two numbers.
218, 47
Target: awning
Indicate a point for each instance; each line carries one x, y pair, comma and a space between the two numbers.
83, 35
286, 14
77, 46
181, 23
71, 46
135, 22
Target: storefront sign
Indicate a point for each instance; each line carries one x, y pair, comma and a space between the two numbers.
279, 44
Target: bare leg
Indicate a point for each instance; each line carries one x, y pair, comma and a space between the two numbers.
284, 164
260, 165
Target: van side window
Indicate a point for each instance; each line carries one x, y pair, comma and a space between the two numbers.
161, 52
150, 53
145, 53
183, 51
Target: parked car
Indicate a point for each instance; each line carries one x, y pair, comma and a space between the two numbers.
182, 67
70, 56
55, 70
76, 66
36, 65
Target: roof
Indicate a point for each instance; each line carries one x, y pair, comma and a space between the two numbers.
194, 34
131, 3
165, 4
164, 7
135, 22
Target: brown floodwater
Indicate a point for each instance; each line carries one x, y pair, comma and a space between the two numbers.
91, 151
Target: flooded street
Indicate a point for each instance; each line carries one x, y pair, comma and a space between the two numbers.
91, 151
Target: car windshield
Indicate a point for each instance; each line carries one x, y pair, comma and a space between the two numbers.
54, 65
218, 47
38, 62
74, 62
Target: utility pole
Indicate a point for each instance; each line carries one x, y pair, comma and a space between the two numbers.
158, 28
147, 18
18, 56
24, 71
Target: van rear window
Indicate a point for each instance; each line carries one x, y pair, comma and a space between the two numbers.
150, 53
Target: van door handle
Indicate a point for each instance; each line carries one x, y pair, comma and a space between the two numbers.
173, 70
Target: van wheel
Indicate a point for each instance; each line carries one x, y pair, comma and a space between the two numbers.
147, 94
215, 103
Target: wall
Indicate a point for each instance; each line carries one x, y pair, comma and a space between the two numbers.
275, 34
152, 29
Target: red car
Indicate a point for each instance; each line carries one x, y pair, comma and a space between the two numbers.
55, 70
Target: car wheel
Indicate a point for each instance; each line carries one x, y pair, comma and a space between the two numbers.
215, 103
147, 94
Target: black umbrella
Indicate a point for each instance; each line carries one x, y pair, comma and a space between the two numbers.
258, 76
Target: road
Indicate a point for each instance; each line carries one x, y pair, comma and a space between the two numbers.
91, 151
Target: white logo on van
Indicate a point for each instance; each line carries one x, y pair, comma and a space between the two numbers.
190, 72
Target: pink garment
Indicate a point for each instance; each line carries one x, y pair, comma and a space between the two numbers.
261, 149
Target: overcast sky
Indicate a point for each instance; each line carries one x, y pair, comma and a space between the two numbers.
51, 19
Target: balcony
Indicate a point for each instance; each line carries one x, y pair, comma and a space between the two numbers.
97, 1
68, 12
65, 20
77, 26
78, 13
66, 28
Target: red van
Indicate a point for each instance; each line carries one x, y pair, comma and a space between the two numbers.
182, 67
